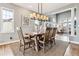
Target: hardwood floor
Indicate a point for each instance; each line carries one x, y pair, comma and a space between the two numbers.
55, 50
13, 49
5, 51
72, 50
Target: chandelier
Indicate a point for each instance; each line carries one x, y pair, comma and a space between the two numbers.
38, 16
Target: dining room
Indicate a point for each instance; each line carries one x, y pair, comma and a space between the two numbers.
38, 29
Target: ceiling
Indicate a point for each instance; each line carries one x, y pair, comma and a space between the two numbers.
46, 7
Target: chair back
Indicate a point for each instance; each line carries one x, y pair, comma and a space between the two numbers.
54, 32
51, 33
46, 36
20, 34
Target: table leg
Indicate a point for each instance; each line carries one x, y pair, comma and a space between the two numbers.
36, 44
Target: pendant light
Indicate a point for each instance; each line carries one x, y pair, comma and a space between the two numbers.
38, 16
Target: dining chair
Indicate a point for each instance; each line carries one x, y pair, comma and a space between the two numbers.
24, 41
44, 40
52, 35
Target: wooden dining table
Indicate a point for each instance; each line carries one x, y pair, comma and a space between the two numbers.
37, 36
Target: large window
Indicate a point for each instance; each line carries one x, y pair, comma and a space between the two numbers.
7, 20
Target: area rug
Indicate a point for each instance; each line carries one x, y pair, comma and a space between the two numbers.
57, 50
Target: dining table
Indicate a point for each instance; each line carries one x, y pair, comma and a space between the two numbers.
36, 36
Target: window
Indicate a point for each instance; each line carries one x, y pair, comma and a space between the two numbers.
7, 20
54, 20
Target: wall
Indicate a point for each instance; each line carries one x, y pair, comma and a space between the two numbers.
18, 11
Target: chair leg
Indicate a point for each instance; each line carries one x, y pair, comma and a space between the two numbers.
44, 48
54, 42
24, 50
20, 46
34, 46
50, 43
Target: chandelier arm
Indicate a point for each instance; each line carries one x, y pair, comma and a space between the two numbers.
41, 8
38, 7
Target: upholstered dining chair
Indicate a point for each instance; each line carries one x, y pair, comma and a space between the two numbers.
24, 41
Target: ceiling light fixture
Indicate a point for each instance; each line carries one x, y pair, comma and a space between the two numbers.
38, 16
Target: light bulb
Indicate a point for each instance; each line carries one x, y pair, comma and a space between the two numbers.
38, 16
34, 14
46, 18
42, 17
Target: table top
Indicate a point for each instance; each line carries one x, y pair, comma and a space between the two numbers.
34, 33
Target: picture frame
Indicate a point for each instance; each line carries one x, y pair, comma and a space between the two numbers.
24, 20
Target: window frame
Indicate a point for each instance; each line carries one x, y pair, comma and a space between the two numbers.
6, 8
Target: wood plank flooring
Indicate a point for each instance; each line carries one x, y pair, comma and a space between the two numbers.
5, 50
72, 50
56, 50
13, 49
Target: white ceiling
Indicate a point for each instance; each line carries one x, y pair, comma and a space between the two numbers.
46, 7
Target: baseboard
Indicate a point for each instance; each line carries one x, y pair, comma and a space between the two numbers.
63, 40
74, 42
9, 42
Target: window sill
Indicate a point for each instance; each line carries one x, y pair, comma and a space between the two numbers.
7, 33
